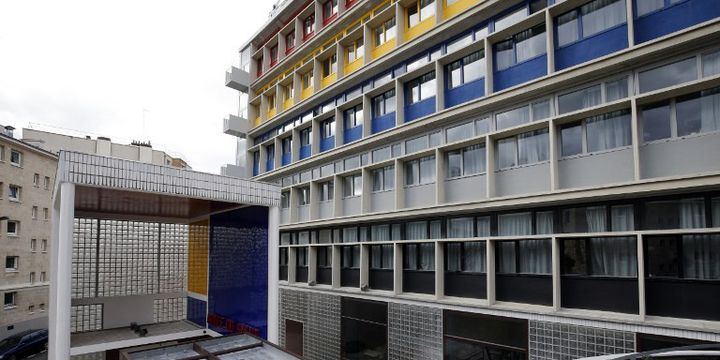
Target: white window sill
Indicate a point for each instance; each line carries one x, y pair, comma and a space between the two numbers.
15, 200
12, 271
13, 235
16, 165
9, 307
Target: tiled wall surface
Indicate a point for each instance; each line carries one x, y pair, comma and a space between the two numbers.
414, 332
550, 340
320, 315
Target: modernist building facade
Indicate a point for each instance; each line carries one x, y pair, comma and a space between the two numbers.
450, 168
27, 175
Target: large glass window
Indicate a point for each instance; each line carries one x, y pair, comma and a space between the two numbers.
285, 199
363, 329
421, 88
354, 117
309, 26
459, 132
521, 47
327, 128
656, 122
523, 149
381, 257
524, 257
327, 190
480, 337
329, 66
355, 50
306, 136
668, 75
352, 185
580, 99
466, 161
330, 9
584, 219
303, 196
465, 256
419, 11
683, 256
420, 171
383, 179
675, 214
603, 256
467, 69
384, 32
590, 19
419, 257
384, 104
603, 132
693, 114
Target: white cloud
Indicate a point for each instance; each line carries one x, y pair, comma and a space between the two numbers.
93, 66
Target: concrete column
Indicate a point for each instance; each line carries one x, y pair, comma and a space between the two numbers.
273, 273
397, 269
399, 24
490, 271
549, 43
314, 200
292, 264
60, 273
399, 185
439, 84
556, 273
337, 196
439, 177
553, 140
312, 264
339, 127
488, 67
295, 151
636, 138
439, 270
364, 265
336, 266
365, 198
642, 311
630, 23
490, 159
367, 116
399, 102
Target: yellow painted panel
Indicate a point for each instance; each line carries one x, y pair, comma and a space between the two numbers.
383, 49
353, 66
271, 113
258, 121
287, 104
420, 28
458, 7
328, 80
198, 239
306, 93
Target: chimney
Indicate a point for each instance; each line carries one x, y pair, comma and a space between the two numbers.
8, 130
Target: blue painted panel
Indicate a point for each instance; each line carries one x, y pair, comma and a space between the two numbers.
256, 169
286, 158
238, 280
384, 122
675, 17
419, 109
269, 165
350, 135
305, 151
520, 73
327, 143
593, 47
464, 93
197, 311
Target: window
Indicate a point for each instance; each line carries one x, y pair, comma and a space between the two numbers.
644, 7
330, 9
31, 308
683, 256
307, 80
511, 18
419, 257
421, 88
352, 186
354, 117
601, 256
43, 245
466, 70
693, 114
33, 245
32, 277
43, 276
355, 50
419, 11
668, 75
384, 32
270, 101
327, 190
523, 149
512, 117
420, 171
466, 161
524, 257
15, 157
259, 64
273, 55
303, 196
11, 263
589, 19
286, 145
465, 257
656, 122
675, 214
309, 26
289, 42
416, 144
36, 180
383, 179
522, 46
329, 66
350, 255
288, 93
459, 132
14, 194
306, 137
10, 299
381, 257
34, 212
508, 339
459, 43
580, 99
384, 104
285, 199
603, 132
363, 328
327, 128
13, 228
2, 153
589, 219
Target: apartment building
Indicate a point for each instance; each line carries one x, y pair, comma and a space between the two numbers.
27, 175
526, 179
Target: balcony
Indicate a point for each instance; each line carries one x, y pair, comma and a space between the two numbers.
236, 126
237, 79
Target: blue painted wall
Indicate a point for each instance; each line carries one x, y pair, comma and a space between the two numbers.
464, 93
327, 143
675, 17
419, 109
350, 135
592, 47
384, 122
239, 267
197, 311
305, 151
520, 73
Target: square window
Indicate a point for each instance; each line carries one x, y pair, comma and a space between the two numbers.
10, 300
15, 157
13, 228
11, 263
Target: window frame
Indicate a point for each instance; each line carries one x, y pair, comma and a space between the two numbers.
461, 64
385, 99
385, 32
327, 18
381, 174
417, 84
513, 41
419, 179
351, 181
289, 42
461, 152
579, 18
329, 66
309, 26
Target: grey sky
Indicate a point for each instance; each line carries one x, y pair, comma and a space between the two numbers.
93, 66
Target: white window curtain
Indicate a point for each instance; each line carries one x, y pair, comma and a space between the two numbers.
416, 230
304, 237
475, 257
711, 64
427, 170
535, 256
506, 153
396, 232
387, 256
483, 226
647, 6
351, 256
529, 44
381, 257
427, 257
622, 218
710, 112
692, 213
602, 14
454, 256
596, 219
350, 234
436, 229
608, 131
380, 233
544, 222
701, 256
506, 256
615, 90
375, 257
533, 147
515, 224
614, 256
410, 257
460, 227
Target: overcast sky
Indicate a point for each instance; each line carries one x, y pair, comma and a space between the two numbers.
95, 67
